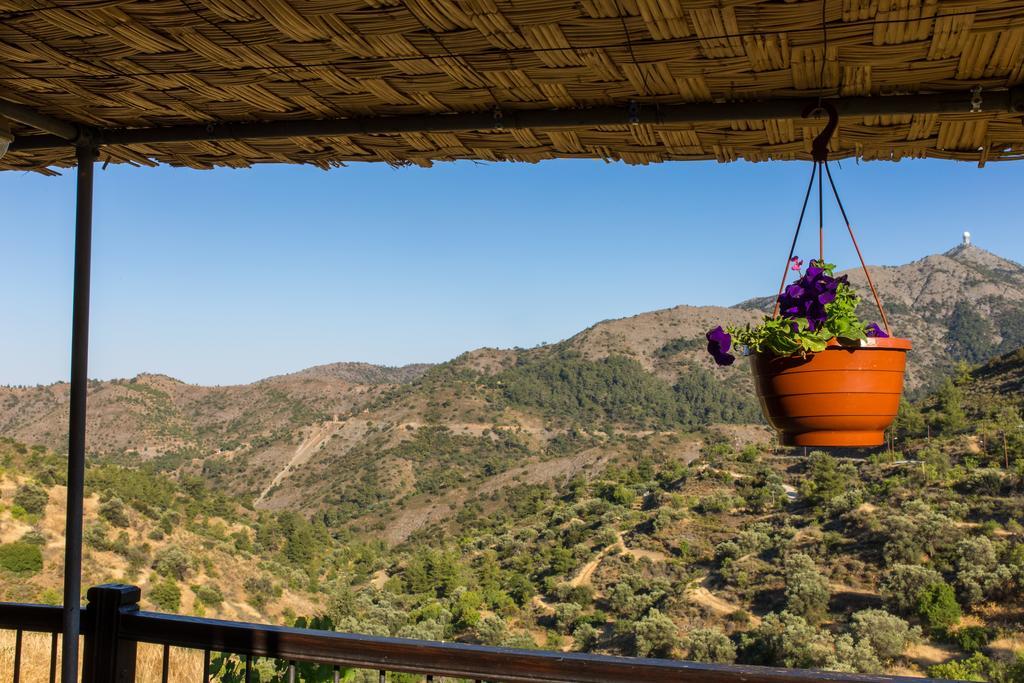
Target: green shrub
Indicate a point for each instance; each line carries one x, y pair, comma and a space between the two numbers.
260, 590
172, 562
785, 639
585, 637
34, 537
32, 498
974, 668
972, 638
807, 591
21, 558
655, 634
888, 635
937, 606
209, 594
709, 645
96, 535
166, 595
114, 511
901, 586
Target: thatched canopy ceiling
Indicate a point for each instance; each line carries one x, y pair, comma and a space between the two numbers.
154, 63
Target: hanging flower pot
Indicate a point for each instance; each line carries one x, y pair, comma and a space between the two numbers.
846, 395
823, 376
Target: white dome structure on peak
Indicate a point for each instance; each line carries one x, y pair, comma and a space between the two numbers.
967, 238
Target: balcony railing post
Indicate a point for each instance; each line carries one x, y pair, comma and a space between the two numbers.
108, 658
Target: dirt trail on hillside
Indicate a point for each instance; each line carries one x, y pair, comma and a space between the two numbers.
586, 572
302, 454
700, 595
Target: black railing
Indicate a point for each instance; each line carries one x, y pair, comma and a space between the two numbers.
113, 626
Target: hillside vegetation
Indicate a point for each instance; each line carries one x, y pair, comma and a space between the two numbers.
615, 492
709, 546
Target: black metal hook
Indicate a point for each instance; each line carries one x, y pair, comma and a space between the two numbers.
819, 148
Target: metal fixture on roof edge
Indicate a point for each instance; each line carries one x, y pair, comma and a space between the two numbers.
976, 100
6, 138
64, 133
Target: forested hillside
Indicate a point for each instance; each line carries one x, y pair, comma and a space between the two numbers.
615, 492
706, 544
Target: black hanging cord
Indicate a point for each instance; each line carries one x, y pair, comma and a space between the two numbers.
849, 228
792, 247
821, 216
819, 154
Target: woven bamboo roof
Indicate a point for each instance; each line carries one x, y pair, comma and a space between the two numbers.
145, 63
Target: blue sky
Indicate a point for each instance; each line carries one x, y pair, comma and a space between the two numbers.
227, 276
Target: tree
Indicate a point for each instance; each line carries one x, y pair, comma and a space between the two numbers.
655, 634
260, 590
710, 645
341, 602
909, 420
888, 635
466, 608
300, 541
492, 630
979, 574
949, 416
172, 562
786, 639
567, 616
807, 591
902, 584
855, 655
826, 478
972, 638
764, 491
32, 498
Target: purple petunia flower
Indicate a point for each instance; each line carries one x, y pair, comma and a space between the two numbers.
719, 342
873, 330
809, 295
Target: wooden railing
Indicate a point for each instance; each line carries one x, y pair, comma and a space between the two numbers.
113, 625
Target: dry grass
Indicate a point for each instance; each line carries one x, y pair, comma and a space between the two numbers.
186, 666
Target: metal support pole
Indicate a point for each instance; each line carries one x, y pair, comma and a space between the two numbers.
86, 155
614, 115
48, 124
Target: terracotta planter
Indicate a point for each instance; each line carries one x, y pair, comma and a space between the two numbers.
842, 396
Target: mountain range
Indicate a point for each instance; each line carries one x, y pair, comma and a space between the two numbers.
377, 448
